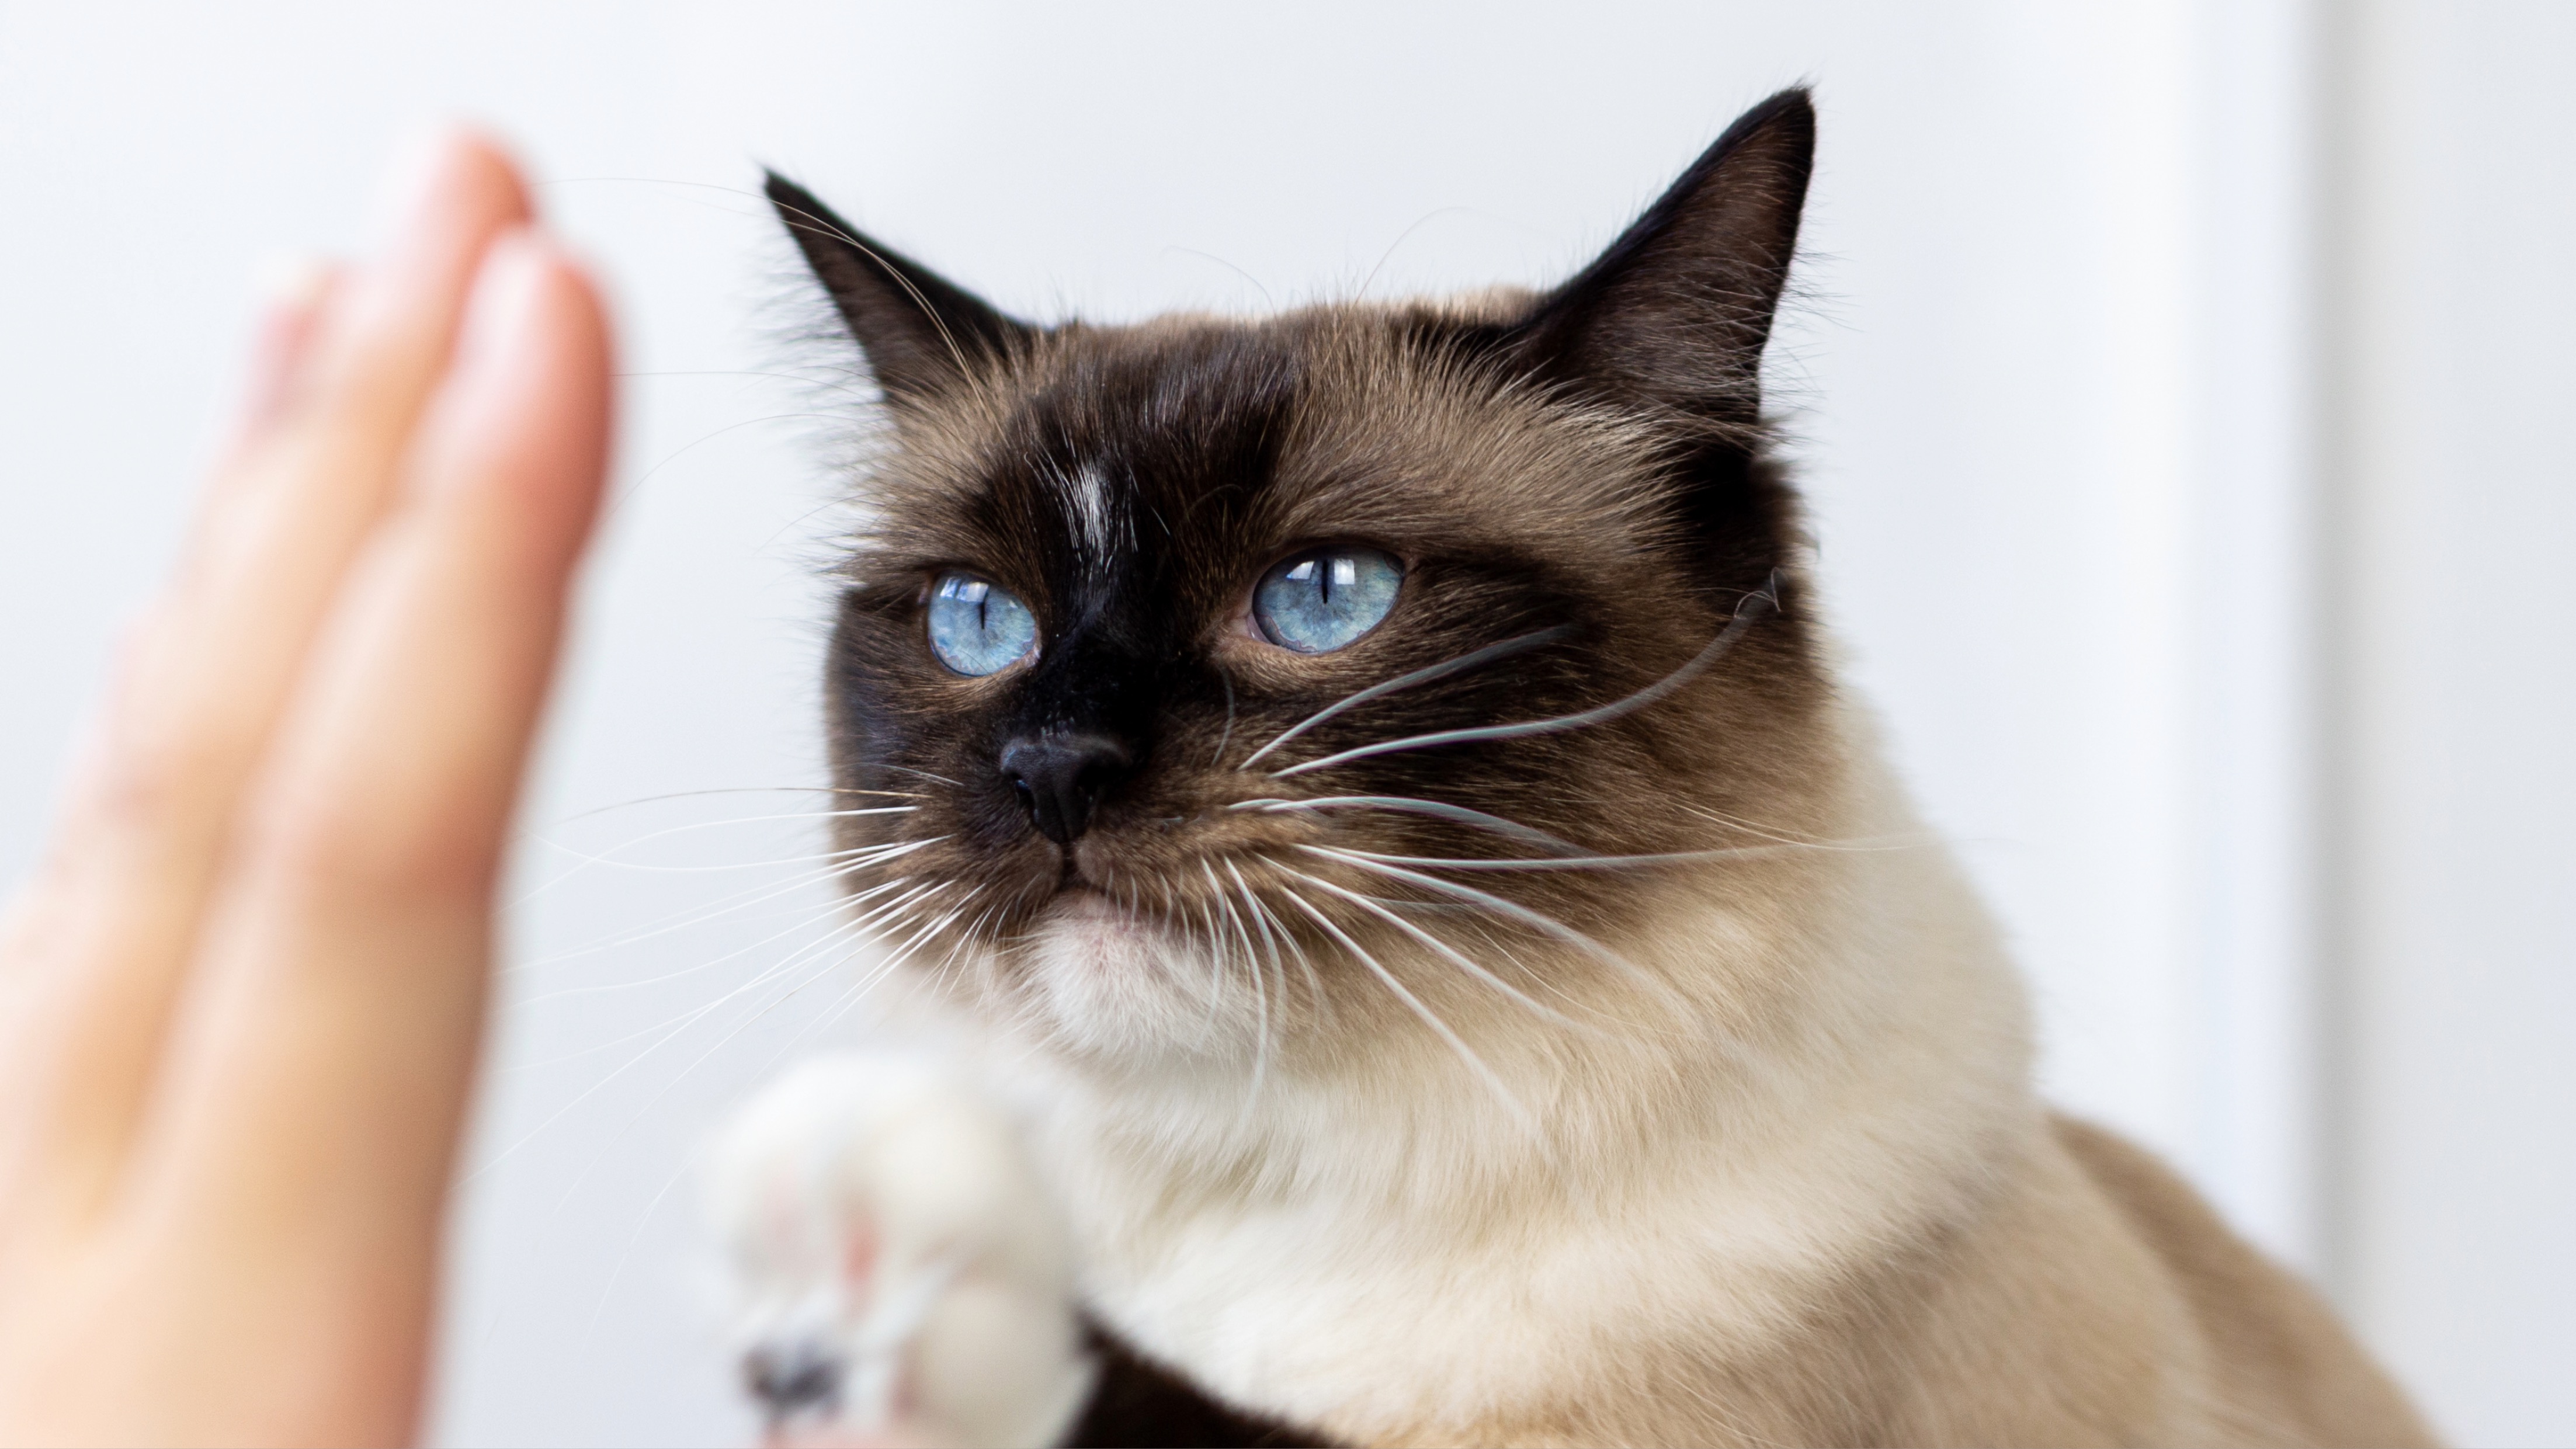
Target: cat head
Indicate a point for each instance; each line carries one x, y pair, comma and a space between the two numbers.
1209, 684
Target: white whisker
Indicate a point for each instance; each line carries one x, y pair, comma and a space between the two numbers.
682, 1075
609, 857
1275, 931
688, 1020
1510, 910
722, 906
1412, 805
1447, 951
1520, 644
587, 860
1734, 822
642, 800
1429, 1017
925, 774
1225, 736
1260, 988
852, 927
898, 957
822, 913
762, 978
1753, 607
1586, 862
850, 996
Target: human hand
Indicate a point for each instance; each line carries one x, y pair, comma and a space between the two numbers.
241, 1000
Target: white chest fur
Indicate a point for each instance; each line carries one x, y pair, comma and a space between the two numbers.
1398, 1260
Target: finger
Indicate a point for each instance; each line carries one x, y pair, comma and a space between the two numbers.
313, 1109
144, 841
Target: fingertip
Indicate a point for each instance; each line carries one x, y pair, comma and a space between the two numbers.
531, 381
501, 308
569, 329
532, 292
535, 316
488, 168
447, 167
582, 323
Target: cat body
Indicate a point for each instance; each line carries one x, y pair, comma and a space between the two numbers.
1362, 794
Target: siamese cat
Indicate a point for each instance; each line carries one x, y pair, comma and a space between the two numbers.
1401, 936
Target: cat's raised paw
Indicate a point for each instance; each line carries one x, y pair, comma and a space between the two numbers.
898, 1276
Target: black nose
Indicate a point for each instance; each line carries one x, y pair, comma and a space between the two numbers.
1061, 777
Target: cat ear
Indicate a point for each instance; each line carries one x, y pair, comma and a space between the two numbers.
1676, 312
920, 331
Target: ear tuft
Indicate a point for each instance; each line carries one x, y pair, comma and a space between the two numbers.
1676, 312
921, 332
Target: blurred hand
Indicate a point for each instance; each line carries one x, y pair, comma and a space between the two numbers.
240, 1003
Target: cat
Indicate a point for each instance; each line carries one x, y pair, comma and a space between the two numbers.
1400, 937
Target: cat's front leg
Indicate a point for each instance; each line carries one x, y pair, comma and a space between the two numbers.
899, 1278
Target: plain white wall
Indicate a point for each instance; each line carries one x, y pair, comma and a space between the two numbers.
2049, 375
2455, 493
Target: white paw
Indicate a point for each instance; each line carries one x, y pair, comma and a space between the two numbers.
898, 1275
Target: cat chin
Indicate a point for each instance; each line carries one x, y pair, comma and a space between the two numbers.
1107, 982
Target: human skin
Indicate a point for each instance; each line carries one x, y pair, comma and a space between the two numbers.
242, 997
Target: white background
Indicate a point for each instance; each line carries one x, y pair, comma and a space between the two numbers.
2180, 389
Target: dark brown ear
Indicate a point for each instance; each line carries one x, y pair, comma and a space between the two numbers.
921, 332
1676, 312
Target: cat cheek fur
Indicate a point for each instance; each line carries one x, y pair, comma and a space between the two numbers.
1636, 1071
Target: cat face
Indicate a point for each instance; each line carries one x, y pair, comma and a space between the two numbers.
1204, 682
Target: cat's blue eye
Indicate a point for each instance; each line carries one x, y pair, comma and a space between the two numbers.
1322, 600
977, 628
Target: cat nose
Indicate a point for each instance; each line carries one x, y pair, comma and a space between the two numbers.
1061, 777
